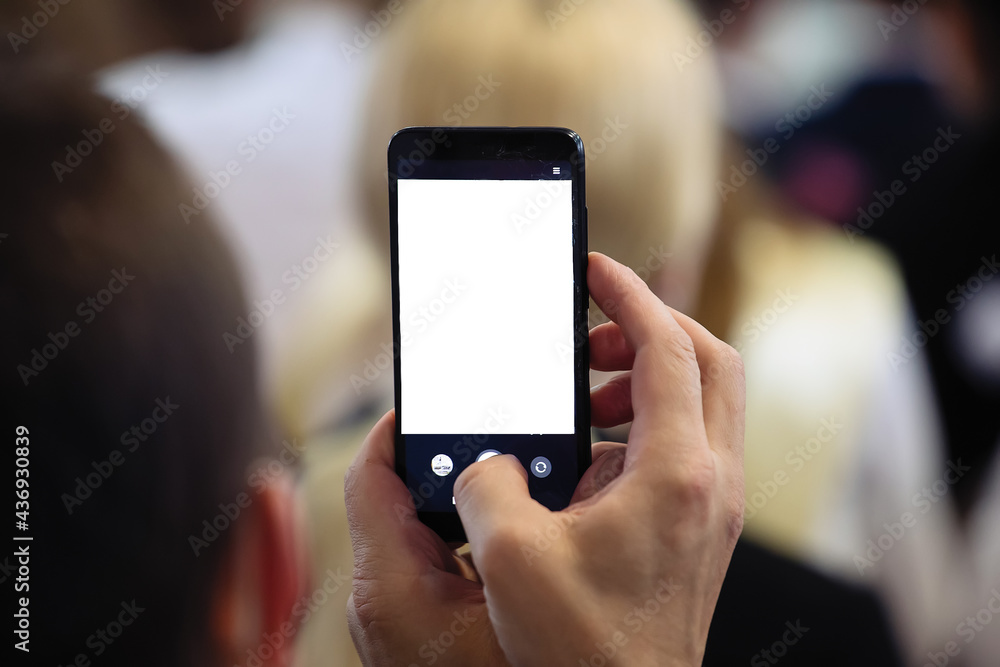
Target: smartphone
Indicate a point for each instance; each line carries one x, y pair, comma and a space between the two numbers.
488, 229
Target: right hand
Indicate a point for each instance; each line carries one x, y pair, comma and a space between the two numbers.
631, 571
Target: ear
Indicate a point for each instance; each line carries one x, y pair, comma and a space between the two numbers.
262, 577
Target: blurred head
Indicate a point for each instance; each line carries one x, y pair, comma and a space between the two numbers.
142, 421
97, 33
618, 72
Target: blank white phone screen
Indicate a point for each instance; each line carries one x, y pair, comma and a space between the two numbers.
486, 306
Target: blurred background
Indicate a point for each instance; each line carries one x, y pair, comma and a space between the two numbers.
812, 179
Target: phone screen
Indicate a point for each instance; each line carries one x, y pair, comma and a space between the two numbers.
488, 317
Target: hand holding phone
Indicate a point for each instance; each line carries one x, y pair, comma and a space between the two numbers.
634, 567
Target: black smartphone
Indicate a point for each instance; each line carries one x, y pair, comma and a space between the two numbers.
488, 229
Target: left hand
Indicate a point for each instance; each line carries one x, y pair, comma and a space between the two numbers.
415, 601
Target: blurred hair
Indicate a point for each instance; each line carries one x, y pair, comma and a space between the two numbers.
204, 26
159, 338
615, 71
111, 30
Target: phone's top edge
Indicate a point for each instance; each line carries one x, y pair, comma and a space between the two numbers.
480, 128
470, 129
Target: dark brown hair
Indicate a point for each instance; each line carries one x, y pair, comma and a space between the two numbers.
164, 292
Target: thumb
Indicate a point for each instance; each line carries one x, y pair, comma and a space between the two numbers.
492, 496
380, 512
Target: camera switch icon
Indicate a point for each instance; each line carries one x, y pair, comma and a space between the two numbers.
541, 467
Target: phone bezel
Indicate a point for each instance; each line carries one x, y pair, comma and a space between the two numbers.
490, 144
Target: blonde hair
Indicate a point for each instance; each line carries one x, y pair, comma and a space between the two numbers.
618, 72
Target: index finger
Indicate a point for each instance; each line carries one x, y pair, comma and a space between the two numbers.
666, 381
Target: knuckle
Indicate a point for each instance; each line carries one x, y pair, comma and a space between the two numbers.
730, 359
683, 343
733, 363
725, 364
676, 349
682, 348
694, 487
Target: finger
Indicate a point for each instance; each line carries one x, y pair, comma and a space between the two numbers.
666, 384
492, 498
609, 351
611, 402
609, 461
380, 510
723, 388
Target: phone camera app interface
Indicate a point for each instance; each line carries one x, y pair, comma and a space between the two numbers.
486, 316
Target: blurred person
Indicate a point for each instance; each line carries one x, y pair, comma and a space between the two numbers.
904, 154
195, 562
267, 132
608, 70
150, 545
915, 111
260, 103
95, 34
